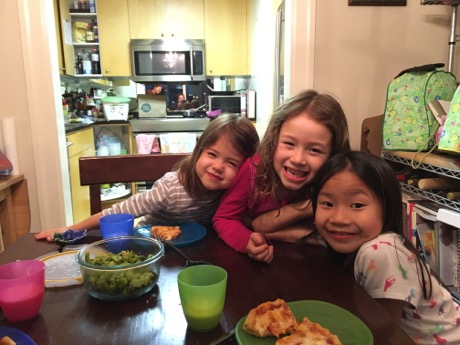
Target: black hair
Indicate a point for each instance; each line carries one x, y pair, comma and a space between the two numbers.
380, 178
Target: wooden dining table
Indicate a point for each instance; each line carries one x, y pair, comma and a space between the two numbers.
298, 272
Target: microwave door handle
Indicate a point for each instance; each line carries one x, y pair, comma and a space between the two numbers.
191, 64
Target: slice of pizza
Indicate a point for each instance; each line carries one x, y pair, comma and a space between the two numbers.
310, 333
167, 233
270, 319
6, 340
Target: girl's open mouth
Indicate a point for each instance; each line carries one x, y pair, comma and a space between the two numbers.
293, 173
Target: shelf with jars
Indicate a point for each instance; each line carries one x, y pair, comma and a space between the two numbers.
85, 38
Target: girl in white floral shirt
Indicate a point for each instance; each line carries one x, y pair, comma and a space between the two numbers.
358, 212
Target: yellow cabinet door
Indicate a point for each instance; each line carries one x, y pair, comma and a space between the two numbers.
82, 146
80, 194
57, 25
225, 36
166, 19
113, 25
67, 47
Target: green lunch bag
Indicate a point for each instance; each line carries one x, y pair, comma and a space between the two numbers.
450, 135
408, 123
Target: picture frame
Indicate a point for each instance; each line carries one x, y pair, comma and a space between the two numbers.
377, 2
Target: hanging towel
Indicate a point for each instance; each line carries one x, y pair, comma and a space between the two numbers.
144, 143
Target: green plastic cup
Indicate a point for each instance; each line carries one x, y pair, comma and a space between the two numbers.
202, 291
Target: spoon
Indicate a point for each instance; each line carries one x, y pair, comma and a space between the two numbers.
188, 261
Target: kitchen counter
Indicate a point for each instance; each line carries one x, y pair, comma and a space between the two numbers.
76, 126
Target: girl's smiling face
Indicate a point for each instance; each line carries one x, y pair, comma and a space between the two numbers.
218, 164
348, 214
303, 146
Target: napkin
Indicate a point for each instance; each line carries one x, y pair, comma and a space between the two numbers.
145, 143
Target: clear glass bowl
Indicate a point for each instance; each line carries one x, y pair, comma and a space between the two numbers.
117, 282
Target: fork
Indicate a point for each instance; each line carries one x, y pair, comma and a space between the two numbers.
188, 261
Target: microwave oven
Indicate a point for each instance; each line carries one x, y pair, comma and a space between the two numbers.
243, 104
169, 60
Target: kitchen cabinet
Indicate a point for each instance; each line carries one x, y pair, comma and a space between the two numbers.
114, 37
57, 26
226, 32
103, 135
81, 144
72, 45
166, 19
66, 46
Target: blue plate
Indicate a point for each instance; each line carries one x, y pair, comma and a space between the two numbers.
18, 336
191, 233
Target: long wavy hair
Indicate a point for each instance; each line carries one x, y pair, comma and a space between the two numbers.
380, 178
240, 133
319, 107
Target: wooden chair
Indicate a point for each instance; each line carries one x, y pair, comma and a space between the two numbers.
95, 171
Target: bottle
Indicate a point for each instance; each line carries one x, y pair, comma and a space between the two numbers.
95, 63
79, 65
86, 63
83, 5
92, 6
89, 32
95, 31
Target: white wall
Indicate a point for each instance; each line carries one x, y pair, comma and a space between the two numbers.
351, 52
359, 49
29, 93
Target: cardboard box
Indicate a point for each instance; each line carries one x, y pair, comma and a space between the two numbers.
152, 105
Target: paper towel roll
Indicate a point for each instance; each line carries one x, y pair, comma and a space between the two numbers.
9, 144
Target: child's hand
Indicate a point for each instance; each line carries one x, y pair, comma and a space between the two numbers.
259, 249
48, 234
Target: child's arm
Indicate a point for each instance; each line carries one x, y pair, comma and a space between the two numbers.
228, 221
92, 222
284, 217
294, 232
393, 307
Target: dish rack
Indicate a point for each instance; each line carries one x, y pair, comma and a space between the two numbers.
453, 37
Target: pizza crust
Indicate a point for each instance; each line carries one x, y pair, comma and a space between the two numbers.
270, 318
6, 340
310, 333
167, 233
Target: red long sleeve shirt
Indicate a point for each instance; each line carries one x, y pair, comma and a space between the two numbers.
236, 203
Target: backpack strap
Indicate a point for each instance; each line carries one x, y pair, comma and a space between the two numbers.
424, 68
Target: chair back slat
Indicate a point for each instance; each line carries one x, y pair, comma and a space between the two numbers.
95, 171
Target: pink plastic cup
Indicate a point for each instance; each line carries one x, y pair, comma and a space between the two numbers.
22, 285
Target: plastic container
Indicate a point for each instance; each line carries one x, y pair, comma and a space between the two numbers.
22, 286
116, 108
120, 224
123, 281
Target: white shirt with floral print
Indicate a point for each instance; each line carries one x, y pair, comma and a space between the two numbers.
387, 269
